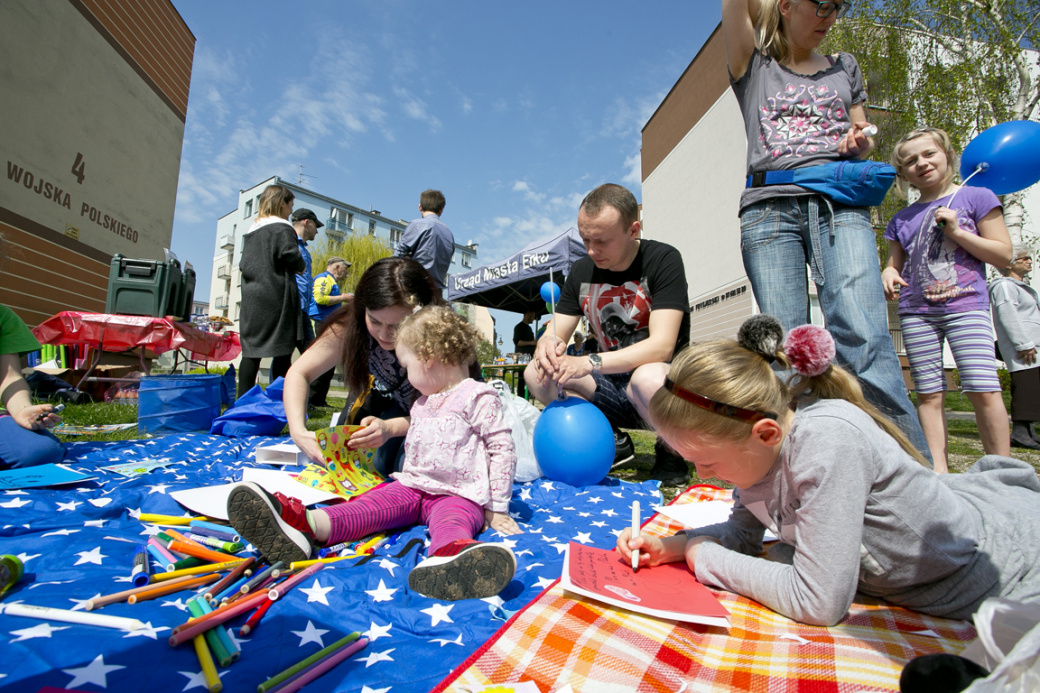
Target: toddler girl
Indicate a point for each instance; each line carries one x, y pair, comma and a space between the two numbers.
938, 250
457, 475
853, 503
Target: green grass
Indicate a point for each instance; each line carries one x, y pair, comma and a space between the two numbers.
109, 413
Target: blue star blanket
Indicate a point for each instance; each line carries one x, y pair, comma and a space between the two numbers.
77, 542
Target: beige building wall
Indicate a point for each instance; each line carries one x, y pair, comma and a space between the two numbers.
92, 116
693, 164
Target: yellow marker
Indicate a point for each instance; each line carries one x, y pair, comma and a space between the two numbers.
209, 568
371, 543
168, 519
297, 565
209, 670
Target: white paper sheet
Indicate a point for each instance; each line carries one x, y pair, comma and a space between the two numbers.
694, 515
211, 501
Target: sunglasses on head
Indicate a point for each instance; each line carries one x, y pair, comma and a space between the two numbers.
824, 9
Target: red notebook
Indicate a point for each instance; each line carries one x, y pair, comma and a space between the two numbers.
668, 591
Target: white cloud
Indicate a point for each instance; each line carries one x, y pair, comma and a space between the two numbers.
416, 108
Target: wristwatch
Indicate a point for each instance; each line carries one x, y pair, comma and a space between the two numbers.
596, 362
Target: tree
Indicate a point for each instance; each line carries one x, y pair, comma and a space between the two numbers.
362, 251
486, 352
959, 65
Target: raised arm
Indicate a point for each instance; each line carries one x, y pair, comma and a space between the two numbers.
738, 32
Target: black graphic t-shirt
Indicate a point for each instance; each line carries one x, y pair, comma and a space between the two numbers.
618, 304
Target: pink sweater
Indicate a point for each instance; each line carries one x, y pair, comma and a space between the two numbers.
459, 444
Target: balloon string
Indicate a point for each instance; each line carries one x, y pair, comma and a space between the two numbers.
552, 307
983, 166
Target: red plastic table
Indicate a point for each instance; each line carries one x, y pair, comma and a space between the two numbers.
117, 333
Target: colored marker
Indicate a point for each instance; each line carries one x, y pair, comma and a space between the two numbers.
258, 579
280, 589
301, 665
216, 534
327, 551
217, 645
140, 574
236, 572
209, 671
159, 554
98, 602
300, 565
167, 588
168, 519
232, 589
635, 533
370, 545
220, 544
48, 613
11, 569
198, 551
214, 527
254, 619
319, 668
197, 570
189, 630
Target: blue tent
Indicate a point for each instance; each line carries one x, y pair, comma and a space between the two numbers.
514, 284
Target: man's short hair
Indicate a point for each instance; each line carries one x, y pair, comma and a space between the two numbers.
336, 260
431, 201
612, 195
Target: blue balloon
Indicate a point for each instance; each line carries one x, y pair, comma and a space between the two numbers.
573, 442
1010, 155
550, 292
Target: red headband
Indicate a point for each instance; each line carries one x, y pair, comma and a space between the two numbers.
711, 405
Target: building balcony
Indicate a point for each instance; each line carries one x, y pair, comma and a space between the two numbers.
224, 272
335, 234
221, 303
227, 242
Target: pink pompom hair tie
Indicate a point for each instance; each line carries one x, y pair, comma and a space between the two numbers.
810, 349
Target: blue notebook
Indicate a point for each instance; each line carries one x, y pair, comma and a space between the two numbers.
42, 475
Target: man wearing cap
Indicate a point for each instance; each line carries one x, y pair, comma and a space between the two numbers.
427, 240
325, 299
306, 224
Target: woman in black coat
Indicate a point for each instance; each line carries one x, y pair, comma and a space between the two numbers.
270, 319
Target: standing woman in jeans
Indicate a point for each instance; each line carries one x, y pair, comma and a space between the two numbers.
802, 108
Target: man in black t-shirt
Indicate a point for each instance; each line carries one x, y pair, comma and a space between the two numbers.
523, 334
633, 294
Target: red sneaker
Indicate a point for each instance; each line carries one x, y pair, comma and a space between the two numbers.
464, 569
275, 524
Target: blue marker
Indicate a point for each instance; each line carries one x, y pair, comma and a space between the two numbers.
139, 574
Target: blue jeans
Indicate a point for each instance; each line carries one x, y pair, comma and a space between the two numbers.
778, 238
20, 447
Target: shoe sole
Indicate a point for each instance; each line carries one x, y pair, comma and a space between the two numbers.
256, 521
476, 573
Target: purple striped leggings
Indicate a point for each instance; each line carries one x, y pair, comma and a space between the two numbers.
394, 505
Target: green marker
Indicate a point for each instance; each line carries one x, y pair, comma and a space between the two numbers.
11, 570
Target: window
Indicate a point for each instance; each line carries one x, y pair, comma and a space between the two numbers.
466, 260
395, 236
371, 227
248, 209
238, 310
340, 219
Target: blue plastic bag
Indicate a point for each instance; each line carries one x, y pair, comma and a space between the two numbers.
258, 412
177, 403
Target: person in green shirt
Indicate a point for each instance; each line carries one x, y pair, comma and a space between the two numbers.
25, 440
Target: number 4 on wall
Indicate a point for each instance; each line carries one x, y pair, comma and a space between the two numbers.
77, 168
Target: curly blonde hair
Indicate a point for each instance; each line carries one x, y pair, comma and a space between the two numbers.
438, 332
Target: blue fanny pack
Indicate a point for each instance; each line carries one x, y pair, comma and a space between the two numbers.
849, 182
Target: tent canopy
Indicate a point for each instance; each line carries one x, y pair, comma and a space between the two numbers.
514, 284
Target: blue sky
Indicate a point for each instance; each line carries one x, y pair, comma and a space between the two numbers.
513, 110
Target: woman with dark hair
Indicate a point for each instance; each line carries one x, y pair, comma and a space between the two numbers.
271, 320
361, 336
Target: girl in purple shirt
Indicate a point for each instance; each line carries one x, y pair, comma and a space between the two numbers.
938, 250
